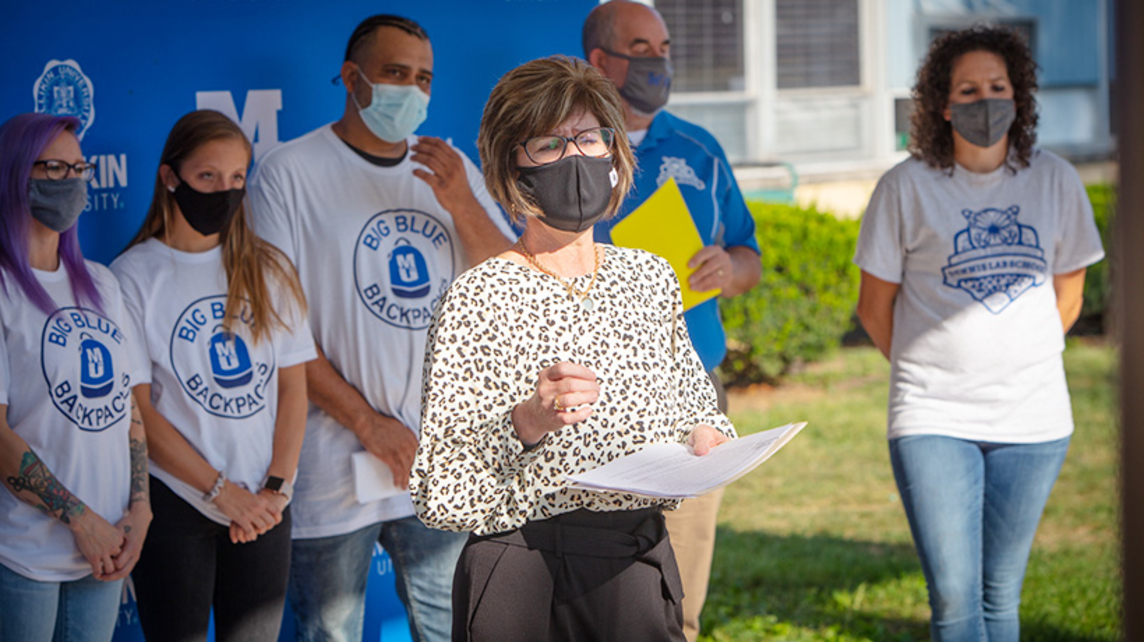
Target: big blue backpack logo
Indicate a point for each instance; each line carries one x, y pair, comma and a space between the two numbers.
64, 90
80, 349
215, 364
403, 263
95, 368
408, 272
230, 360
996, 259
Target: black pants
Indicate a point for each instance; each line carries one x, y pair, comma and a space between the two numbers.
581, 577
189, 564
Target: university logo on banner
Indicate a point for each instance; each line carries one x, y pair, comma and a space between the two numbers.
216, 366
403, 263
64, 90
78, 356
996, 259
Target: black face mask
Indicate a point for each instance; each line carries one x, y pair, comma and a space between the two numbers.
208, 212
573, 192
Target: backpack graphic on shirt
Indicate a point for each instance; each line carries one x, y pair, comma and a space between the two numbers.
96, 370
996, 259
79, 353
230, 360
403, 263
215, 365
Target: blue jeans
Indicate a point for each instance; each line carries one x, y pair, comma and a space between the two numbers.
973, 509
328, 578
82, 610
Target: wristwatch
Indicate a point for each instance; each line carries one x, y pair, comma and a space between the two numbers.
280, 486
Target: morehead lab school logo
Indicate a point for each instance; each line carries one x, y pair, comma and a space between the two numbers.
995, 259
80, 350
393, 277
64, 90
215, 366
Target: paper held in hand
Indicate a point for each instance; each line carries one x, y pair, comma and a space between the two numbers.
373, 480
671, 470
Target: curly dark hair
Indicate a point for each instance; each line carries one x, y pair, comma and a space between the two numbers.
931, 137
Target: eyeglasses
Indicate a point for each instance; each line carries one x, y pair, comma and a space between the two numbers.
58, 170
598, 142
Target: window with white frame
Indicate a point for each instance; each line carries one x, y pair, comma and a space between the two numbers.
706, 43
817, 43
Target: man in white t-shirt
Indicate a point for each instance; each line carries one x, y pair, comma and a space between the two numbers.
378, 222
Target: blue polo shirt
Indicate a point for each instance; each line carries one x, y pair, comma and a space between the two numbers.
676, 148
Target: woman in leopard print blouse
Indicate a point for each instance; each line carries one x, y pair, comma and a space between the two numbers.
551, 359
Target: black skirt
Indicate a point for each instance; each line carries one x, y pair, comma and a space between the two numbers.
581, 576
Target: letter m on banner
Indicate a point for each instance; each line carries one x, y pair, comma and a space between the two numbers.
259, 120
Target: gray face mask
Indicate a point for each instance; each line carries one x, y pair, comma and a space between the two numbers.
984, 122
57, 204
648, 82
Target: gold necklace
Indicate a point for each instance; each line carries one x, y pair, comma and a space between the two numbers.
574, 293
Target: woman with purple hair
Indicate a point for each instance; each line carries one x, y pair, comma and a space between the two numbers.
73, 457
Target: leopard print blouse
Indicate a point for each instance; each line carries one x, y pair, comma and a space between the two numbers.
500, 324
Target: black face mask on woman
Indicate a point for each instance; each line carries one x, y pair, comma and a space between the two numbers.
573, 192
207, 212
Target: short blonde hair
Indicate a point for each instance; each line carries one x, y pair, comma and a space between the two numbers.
533, 100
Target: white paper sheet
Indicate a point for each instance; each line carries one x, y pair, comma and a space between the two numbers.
373, 480
671, 470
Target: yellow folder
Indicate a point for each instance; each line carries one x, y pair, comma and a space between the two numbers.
663, 225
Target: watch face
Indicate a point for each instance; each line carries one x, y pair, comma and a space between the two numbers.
274, 483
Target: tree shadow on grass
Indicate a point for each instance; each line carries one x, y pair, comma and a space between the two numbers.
770, 587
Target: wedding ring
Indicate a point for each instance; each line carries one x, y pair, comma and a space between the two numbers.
720, 272
556, 405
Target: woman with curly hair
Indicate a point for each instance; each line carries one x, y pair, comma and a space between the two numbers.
973, 254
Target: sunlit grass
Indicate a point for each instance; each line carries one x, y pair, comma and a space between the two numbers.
814, 545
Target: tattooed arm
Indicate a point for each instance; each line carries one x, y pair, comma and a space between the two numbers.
135, 523
28, 478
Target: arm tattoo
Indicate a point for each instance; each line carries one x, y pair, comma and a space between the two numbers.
55, 500
139, 490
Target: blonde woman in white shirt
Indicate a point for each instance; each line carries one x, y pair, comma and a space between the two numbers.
223, 320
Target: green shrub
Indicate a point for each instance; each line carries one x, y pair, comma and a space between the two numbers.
1097, 282
804, 301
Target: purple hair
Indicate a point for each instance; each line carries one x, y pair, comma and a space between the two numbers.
22, 140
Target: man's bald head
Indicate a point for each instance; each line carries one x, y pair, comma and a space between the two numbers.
601, 27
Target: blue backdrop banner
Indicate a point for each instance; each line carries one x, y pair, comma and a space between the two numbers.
130, 68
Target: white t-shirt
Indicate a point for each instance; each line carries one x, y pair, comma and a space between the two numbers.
375, 251
66, 379
977, 341
219, 390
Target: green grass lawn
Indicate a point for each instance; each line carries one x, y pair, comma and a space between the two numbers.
814, 545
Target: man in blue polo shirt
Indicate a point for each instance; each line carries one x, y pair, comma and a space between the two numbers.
629, 43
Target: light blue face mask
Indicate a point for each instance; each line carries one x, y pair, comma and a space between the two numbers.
395, 111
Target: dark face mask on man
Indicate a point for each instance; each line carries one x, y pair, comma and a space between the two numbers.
647, 84
57, 204
573, 193
207, 212
983, 122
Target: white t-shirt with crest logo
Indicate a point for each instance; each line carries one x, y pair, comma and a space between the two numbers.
66, 379
375, 251
977, 341
218, 388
